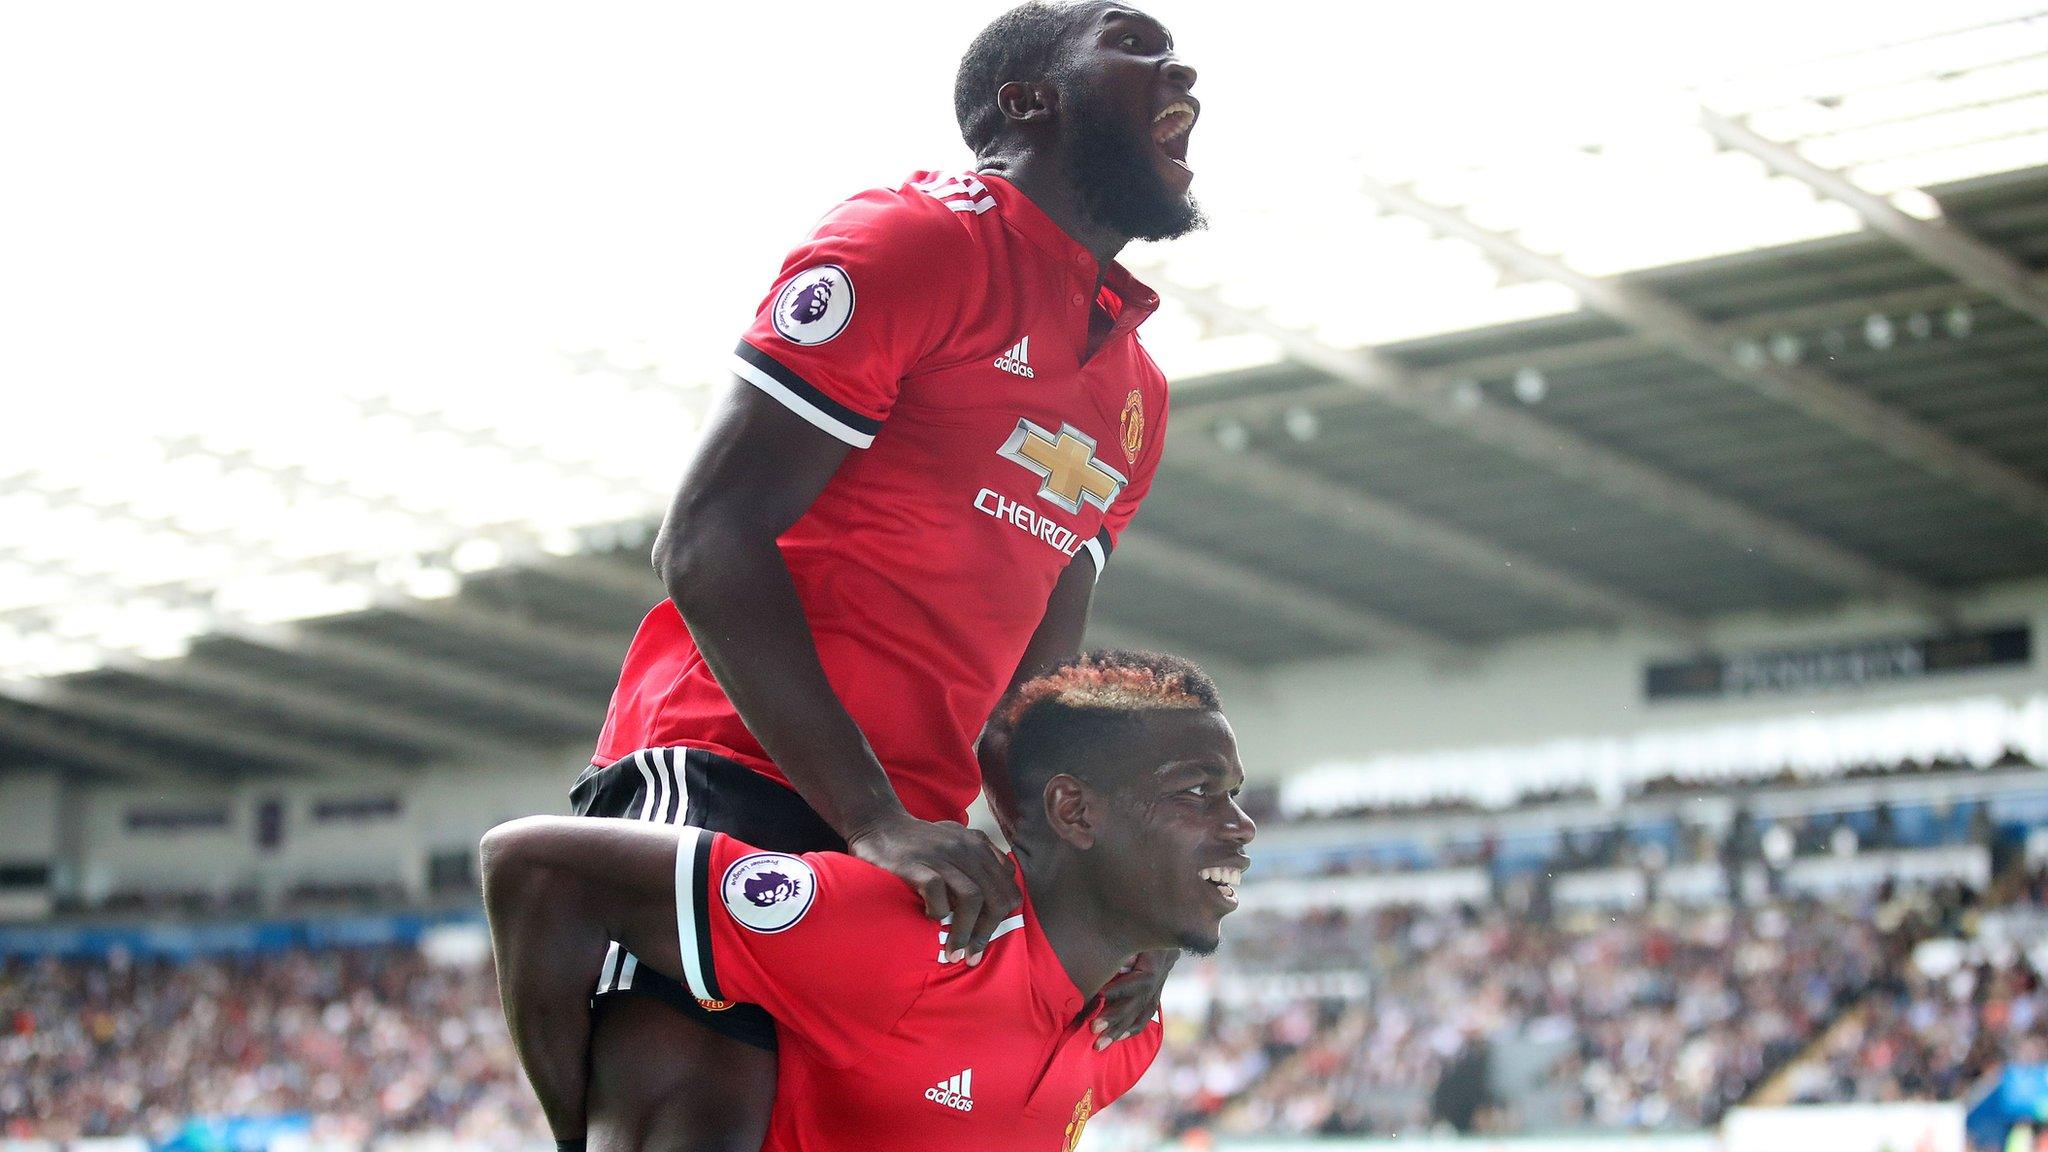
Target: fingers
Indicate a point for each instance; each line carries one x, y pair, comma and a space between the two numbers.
965, 936
938, 900
995, 896
1128, 1004
958, 872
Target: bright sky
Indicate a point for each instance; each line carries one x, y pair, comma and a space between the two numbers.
225, 227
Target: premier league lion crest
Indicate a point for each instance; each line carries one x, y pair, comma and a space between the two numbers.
770, 888
768, 891
814, 306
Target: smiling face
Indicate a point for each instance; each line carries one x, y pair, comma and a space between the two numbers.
1127, 111
1171, 846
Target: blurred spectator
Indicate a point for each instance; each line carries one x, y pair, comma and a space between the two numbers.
371, 1041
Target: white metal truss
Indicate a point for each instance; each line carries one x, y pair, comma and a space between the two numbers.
1354, 511
294, 754
1305, 608
379, 663
294, 702
1468, 412
1810, 392
70, 742
1941, 244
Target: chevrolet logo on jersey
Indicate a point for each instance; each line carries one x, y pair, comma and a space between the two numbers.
1068, 465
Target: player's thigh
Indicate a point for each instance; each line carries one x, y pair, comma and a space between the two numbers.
663, 1082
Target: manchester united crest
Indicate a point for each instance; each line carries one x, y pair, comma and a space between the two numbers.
1082, 1110
1131, 428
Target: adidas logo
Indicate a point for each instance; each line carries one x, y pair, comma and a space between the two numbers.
1017, 360
956, 1092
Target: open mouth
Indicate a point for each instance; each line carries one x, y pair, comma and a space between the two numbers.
1170, 130
1225, 881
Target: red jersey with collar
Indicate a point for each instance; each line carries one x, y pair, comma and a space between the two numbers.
941, 329
883, 1046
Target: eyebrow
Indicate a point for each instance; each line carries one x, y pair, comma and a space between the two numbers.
1115, 14
1207, 769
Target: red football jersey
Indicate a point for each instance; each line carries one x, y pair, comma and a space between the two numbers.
883, 1046
941, 328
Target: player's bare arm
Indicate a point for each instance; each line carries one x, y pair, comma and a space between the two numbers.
557, 890
760, 468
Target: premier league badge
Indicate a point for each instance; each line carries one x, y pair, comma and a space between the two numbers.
815, 305
768, 891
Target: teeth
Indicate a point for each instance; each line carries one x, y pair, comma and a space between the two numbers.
1176, 119
1230, 877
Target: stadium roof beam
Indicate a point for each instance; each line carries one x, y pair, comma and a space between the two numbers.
1355, 511
279, 695
1689, 336
1468, 412
179, 724
394, 665
1193, 401
1105, 632
67, 743
1948, 248
632, 583
597, 659
1609, 349
1314, 611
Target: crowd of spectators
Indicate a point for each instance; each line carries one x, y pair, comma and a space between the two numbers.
369, 1042
1646, 1020
1392, 1020
1970, 999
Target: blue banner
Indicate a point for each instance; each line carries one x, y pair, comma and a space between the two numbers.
178, 941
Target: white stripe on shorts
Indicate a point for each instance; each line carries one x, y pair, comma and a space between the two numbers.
664, 785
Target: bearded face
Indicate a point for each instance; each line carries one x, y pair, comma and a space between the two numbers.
1112, 167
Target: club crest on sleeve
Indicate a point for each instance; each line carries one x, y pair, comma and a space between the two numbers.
768, 891
815, 305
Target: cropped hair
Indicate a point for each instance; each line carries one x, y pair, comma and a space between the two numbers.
1056, 722
1021, 44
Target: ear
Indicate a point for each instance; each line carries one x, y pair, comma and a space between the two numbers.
1026, 102
1070, 810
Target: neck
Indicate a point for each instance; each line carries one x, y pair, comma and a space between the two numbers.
1040, 177
1092, 942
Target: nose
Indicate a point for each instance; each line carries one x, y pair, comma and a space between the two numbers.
1180, 73
1238, 828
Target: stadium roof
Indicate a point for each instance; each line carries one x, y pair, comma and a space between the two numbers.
1767, 343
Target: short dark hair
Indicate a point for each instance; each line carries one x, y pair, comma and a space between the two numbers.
1021, 44
1055, 722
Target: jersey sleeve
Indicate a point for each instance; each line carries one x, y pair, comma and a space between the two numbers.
1128, 1061
1119, 515
835, 949
875, 289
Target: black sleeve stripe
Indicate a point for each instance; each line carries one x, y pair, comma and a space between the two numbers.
770, 375
1098, 549
701, 896
693, 911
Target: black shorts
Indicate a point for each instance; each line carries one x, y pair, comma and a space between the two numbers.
694, 787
